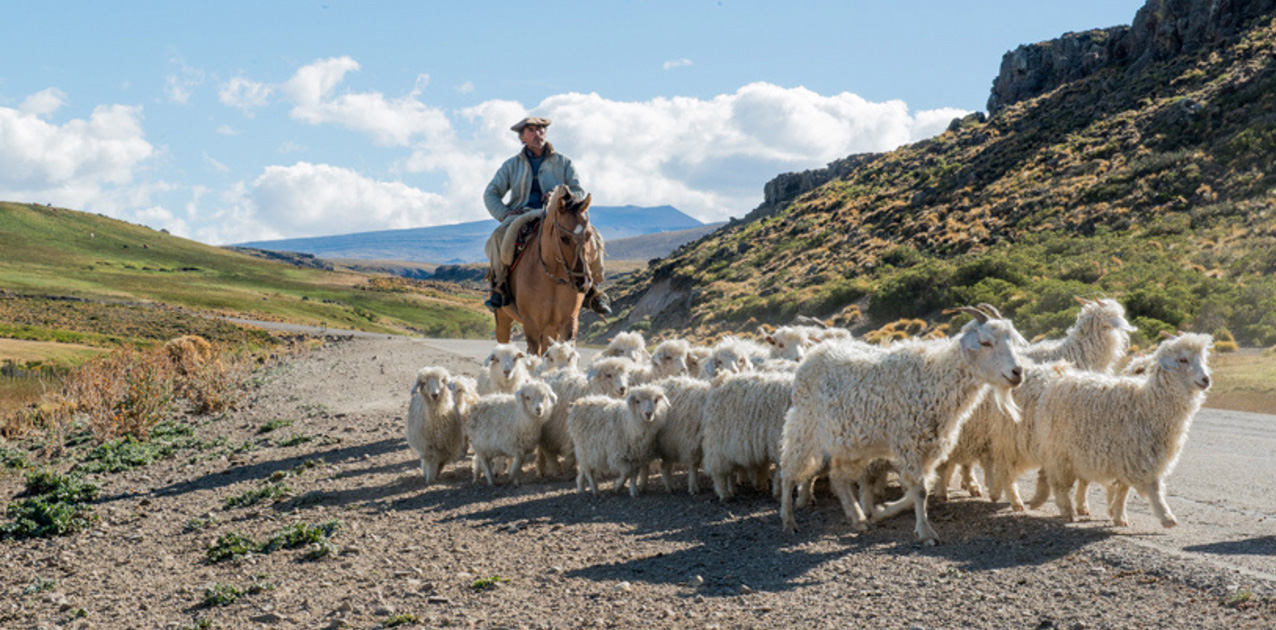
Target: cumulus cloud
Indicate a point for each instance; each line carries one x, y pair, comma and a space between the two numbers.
707, 157
244, 95
676, 63
72, 164
43, 103
315, 199
389, 121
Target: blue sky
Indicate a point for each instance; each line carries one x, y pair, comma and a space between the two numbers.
232, 121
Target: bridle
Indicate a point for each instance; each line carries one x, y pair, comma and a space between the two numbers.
578, 280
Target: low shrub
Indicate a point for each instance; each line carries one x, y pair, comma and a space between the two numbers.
53, 504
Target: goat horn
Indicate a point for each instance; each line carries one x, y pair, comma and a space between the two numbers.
991, 310
1165, 334
1081, 300
979, 315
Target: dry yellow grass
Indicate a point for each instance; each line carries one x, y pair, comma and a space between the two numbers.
1244, 381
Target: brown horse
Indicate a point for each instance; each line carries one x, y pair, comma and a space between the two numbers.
551, 278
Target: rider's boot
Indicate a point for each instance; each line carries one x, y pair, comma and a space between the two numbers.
497, 299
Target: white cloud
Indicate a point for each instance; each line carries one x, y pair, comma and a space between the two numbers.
244, 95
75, 164
316, 199
389, 121
465, 88
227, 130
288, 146
677, 63
217, 166
178, 86
709, 158
43, 103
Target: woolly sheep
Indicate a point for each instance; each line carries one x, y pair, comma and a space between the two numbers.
697, 357
1125, 430
679, 439
606, 377
612, 435
1098, 339
906, 403
508, 425
434, 422
507, 370
627, 344
729, 355
561, 355
743, 421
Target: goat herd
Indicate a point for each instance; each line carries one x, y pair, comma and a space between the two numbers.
815, 401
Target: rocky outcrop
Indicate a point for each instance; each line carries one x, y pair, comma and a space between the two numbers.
789, 186
1161, 29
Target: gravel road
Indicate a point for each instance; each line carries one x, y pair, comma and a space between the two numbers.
457, 554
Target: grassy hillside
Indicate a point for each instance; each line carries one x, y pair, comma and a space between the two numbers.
58, 252
1152, 184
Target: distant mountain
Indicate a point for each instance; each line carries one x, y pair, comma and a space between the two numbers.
658, 245
463, 242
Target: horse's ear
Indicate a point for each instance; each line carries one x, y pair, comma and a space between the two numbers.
584, 203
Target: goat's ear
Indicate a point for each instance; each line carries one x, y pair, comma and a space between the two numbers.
770, 340
1168, 364
415, 386
970, 340
490, 358
520, 356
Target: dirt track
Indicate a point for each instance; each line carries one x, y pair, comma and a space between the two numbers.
568, 561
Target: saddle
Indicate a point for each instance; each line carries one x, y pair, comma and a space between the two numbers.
517, 236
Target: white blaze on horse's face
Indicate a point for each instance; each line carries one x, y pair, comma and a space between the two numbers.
579, 228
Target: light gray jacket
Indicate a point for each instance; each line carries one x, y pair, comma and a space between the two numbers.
515, 177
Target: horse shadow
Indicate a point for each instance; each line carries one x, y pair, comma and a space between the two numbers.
1256, 546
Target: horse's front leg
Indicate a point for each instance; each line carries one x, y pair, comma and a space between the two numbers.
503, 324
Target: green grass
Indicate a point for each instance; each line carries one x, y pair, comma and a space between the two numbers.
254, 496
316, 539
483, 584
51, 251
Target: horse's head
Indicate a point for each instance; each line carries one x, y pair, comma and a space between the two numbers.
566, 233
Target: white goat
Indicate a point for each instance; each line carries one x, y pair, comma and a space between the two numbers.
606, 377
1125, 430
630, 345
906, 403
679, 438
508, 425
1098, 339
507, 370
612, 435
561, 355
743, 421
434, 422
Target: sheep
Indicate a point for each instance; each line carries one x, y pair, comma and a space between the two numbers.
612, 435
627, 344
1125, 430
679, 438
506, 371
434, 421
729, 355
788, 342
668, 359
696, 359
905, 403
561, 355
508, 425
606, 377
743, 420
1098, 339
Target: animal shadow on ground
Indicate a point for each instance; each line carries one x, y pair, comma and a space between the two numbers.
740, 542
1259, 546
264, 469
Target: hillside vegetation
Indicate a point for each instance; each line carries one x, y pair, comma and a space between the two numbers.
119, 272
1152, 182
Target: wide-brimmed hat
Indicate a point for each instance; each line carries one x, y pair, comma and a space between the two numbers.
530, 120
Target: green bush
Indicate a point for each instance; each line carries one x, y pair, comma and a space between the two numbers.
54, 505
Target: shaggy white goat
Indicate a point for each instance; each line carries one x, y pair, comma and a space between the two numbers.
434, 422
507, 370
606, 377
508, 425
615, 435
1096, 342
906, 403
561, 355
630, 345
743, 421
1125, 430
679, 439
697, 357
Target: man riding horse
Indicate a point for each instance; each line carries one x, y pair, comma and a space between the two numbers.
529, 177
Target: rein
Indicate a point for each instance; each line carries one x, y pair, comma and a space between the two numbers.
578, 280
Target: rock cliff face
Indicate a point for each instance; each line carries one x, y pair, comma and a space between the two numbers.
1161, 29
789, 186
